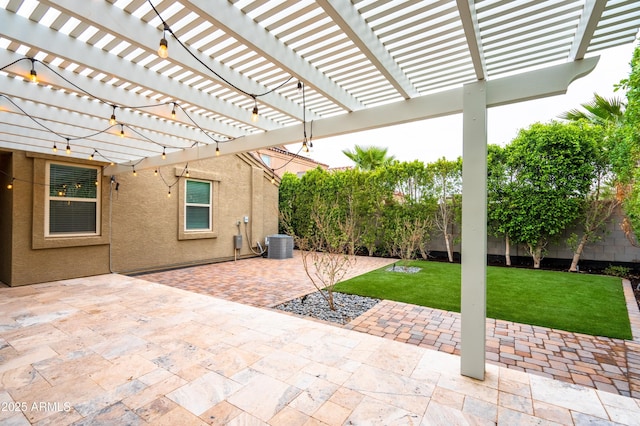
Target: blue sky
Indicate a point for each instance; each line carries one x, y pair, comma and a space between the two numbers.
431, 139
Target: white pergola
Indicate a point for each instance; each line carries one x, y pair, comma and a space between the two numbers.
363, 63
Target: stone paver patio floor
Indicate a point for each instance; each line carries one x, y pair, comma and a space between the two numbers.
599, 362
115, 350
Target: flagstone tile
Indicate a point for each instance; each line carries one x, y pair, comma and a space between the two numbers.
32, 355
552, 413
516, 402
246, 419
392, 388
373, 411
313, 396
274, 396
117, 413
122, 370
290, 417
448, 398
332, 414
439, 414
155, 409
221, 414
272, 365
178, 416
471, 387
479, 408
230, 361
573, 397
507, 416
154, 391
203, 393
80, 364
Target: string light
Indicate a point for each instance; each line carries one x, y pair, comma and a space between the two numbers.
273, 177
112, 120
163, 49
254, 113
55, 148
217, 150
187, 170
68, 149
10, 184
134, 171
95, 151
305, 147
299, 86
33, 75
173, 111
155, 172
169, 193
164, 153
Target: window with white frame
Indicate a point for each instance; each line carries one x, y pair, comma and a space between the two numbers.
72, 200
197, 205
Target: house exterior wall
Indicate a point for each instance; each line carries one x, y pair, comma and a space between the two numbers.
6, 211
140, 226
146, 231
33, 259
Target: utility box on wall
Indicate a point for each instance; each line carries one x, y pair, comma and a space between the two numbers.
280, 247
237, 242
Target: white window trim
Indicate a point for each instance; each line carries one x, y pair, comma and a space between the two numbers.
209, 205
48, 198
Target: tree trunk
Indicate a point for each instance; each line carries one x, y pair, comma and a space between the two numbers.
449, 249
536, 253
578, 253
536, 260
507, 250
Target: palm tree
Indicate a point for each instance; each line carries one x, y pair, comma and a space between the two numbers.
601, 202
369, 157
602, 111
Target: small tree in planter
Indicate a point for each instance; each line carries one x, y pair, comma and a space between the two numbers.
326, 252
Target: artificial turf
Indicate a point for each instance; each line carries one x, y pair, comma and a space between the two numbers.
582, 303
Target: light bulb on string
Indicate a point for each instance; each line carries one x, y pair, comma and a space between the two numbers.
163, 49
217, 150
55, 148
299, 86
173, 111
155, 172
164, 153
33, 75
112, 120
254, 113
187, 171
134, 171
68, 149
122, 131
10, 184
169, 193
305, 147
91, 156
273, 177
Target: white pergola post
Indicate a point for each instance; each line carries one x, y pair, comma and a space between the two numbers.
474, 230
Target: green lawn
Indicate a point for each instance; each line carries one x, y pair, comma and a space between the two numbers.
589, 304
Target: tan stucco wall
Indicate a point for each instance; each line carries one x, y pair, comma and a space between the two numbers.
6, 204
146, 231
60, 258
145, 222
